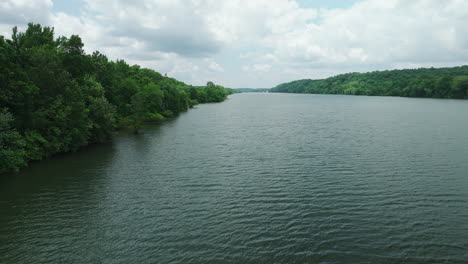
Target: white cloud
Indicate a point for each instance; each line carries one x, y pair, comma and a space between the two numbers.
380, 32
175, 26
213, 65
220, 40
257, 68
14, 12
184, 67
251, 22
20, 12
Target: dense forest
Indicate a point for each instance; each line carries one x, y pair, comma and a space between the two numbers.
431, 83
54, 98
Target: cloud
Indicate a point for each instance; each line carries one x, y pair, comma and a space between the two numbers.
380, 33
238, 22
213, 65
221, 40
175, 26
257, 68
20, 12
13, 12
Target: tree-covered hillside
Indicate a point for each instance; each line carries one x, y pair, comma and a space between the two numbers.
432, 83
54, 98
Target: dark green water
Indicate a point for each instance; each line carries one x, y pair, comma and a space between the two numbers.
260, 178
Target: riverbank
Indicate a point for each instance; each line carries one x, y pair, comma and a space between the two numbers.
449, 83
55, 98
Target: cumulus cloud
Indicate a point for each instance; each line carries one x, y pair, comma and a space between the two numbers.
175, 26
381, 32
14, 12
213, 65
20, 12
221, 40
257, 68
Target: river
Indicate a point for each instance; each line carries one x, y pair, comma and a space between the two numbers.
259, 178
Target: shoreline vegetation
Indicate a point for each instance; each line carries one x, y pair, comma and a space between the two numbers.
447, 83
55, 98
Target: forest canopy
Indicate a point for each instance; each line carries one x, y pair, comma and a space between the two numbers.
430, 83
55, 98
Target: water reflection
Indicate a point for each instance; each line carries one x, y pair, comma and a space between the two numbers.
52, 203
260, 178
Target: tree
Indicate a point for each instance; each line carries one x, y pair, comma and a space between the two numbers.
60, 99
460, 87
73, 58
12, 154
443, 86
215, 93
35, 36
437, 83
102, 114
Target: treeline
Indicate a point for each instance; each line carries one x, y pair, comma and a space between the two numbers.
54, 98
430, 83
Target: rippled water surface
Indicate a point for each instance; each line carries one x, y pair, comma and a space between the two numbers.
260, 178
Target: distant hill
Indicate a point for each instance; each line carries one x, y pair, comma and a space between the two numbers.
423, 82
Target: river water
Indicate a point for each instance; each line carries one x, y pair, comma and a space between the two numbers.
259, 178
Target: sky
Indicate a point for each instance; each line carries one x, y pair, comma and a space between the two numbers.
257, 43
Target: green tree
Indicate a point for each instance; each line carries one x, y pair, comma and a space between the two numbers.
12, 154
215, 93
443, 86
60, 99
460, 87
73, 56
437, 83
102, 114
